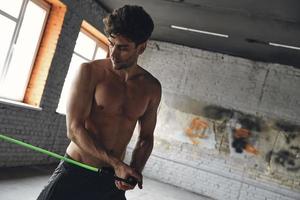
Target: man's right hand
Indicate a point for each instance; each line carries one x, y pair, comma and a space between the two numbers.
124, 171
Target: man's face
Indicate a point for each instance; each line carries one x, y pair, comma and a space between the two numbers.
123, 52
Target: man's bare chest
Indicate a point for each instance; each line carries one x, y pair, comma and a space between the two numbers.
130, 100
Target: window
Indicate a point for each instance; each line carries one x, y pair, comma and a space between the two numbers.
88, 47
24, 22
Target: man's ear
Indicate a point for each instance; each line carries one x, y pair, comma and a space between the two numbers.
142, 47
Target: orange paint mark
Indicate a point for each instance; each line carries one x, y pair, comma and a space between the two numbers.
242, 133
190, 132
251, 149
196, 130
198, 124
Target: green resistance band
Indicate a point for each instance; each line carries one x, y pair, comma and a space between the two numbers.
130, 180
49, 153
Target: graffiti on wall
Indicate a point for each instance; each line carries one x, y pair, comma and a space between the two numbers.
242, 135
246, 136
218, 113
197, 130
243, 129
186, 128
241, 141
289, 131
288, 156
289, 159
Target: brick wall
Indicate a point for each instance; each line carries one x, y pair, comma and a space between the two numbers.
44, 127
209, 100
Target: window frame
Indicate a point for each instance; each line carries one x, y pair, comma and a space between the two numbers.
43, 5
98, 41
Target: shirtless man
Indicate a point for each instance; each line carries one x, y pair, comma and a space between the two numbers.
107, 99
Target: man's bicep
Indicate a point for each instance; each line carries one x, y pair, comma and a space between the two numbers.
81, 93
148, 121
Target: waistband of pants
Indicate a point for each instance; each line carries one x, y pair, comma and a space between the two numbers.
69, 166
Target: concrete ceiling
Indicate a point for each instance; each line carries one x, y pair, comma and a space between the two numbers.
250, 25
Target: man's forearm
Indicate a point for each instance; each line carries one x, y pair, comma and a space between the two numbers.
141, 154
85, 141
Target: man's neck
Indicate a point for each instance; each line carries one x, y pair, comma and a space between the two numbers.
128, 73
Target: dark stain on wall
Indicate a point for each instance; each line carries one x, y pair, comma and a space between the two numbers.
286, 158
242, 141
217, 113
247, 121
287, 127
289, 157
242, 137
290, 131
251, 123
239, 144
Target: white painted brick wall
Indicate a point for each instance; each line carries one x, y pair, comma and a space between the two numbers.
207, 175
245, 85
226, 81
248, 86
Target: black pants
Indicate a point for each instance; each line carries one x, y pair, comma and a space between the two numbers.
72, 182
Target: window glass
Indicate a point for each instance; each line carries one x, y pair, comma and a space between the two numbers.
85, 46
73, 68
23, 55
5, 39
11, 7
20, 42
101, 53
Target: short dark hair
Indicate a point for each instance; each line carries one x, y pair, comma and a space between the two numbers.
132, 22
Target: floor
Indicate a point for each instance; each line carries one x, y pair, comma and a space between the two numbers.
26, 183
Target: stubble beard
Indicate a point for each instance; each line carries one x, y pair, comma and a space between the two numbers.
123, 65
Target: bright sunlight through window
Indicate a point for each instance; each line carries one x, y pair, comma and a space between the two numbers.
24, 22
87, 48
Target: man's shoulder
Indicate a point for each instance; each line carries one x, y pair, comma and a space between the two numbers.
151, 78
153, 83
97, 64
95, 68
